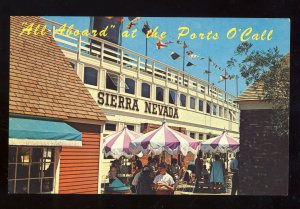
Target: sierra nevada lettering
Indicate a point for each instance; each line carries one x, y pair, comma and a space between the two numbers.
128, 103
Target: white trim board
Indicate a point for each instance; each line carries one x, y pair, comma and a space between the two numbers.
43, 142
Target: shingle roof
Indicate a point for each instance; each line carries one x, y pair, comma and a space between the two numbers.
42, 82
255, 91
252, 93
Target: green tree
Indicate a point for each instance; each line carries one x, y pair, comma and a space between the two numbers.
271, 71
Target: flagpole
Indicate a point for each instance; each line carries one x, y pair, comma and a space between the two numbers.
146, 53
183, 63
225, 82
208, 73
237, 85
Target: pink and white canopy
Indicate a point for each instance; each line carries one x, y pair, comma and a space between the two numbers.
220, 144
164, 139
117, 144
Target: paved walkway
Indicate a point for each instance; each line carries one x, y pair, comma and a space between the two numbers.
189, 191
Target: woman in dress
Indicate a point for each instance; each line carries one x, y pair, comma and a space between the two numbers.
217, 174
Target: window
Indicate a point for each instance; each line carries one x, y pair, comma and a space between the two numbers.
200, 136
31, 169
220, 111
159, 94
130, 127
192, 102
209, 136
231, 116
72, 65
172, 96
225, 113
200, 105
214, 109
130, 86
208, 107
192, 135
112, 81
145, 90
182, 100
90, 76
110, 127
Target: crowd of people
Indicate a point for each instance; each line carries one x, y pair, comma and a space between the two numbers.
160, 178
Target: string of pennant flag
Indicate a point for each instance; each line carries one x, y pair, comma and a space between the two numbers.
174, 55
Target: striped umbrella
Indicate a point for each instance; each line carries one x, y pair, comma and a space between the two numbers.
117, 144
220, 144
164, 139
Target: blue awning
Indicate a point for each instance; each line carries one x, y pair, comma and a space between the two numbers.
42, 133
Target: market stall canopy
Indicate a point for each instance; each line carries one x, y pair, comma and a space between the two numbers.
33, 132
221, 144
117, 144
164, 139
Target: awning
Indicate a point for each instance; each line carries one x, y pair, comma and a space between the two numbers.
33, 132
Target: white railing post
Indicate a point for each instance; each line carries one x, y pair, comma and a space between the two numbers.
178, 80
138, 67
167, 71
188, 84
102, 54
53, 31
79, 48
153, 71
121, 60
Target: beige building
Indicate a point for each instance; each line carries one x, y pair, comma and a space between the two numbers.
134, 90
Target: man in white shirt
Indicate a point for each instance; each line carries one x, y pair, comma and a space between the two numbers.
163, 183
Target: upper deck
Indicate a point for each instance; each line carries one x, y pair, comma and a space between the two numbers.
108, 59
124, 59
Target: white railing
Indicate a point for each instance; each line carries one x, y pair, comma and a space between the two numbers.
109, 52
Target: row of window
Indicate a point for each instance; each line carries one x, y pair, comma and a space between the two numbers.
31, 170
194, 135
113, 127
112, 82
200, 135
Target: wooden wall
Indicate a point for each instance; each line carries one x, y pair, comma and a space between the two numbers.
79, 166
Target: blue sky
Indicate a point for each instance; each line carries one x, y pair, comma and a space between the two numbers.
219, 50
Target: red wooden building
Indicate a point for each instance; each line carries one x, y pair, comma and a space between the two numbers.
55, 124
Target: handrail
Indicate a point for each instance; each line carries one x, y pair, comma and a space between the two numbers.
192, 78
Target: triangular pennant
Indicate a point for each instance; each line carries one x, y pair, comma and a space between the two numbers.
189, 52
160, 45
231, 77
175, 56
169, 42
146, 28
184, 45
190, 64
193, 56
129, 26
222, 78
